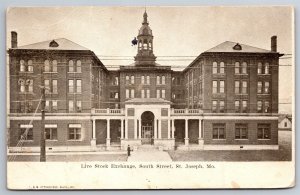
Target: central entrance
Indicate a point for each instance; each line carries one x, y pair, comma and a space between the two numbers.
147, 127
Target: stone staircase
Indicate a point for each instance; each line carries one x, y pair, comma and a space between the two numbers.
148, 148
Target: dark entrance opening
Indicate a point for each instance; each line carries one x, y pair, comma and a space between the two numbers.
147, 127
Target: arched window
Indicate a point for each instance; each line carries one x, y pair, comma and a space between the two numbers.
78, 66
259, 68
222, 68
30, 67
215, 68
145, 44
267, 68
22, 65
150, 45
237, 68
54, 66
71, 66
163, 80
244, 68
46, 66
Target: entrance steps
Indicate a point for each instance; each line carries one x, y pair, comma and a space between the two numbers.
148, 148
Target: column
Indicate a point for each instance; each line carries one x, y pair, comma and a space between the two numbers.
155, 128
169, 129
173, 129
140, 128
108, 133
93, 141
135, 128
200, 139
186, 139
122, 129
126, 129
159, 128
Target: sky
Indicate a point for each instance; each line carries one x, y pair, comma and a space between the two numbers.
178, 31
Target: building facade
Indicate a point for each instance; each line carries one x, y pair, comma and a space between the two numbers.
227, 98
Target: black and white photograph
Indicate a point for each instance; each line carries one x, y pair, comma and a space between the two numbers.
128, 91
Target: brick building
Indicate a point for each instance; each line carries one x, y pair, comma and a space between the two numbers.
227, 98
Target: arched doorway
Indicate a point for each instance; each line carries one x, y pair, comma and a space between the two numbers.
147, 127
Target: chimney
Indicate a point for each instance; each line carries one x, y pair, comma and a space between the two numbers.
274, 43
14, 39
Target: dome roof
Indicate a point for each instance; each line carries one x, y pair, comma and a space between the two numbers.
145, 29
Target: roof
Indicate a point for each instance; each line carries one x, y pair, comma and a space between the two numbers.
284, 116
147, 101
58, 44
228, 46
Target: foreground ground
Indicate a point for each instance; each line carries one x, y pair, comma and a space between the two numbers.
283, 154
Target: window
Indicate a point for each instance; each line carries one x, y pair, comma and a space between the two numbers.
259, 87
30, 66
54, 66
222, 106
29, 106
244, 106
267, 68
241, 131
259, 106
259, 68
71, 66
237, 68
214, 106
114, 95
157, 93
142, 93
54, 105
78, 106
127, 93
116, 81
148, 93
22, 66
47, 105
132, 93
71, 106
132, 79
237, 106
244, 68
263, 131
51, 131
215, 86
244, 87
148, 80
143, 79
267, 107
218, 131
46, 66
78, 66
237, 87
30, 85
158, 80
127, 80
74, 131
285, 124
222, 68
54, 86
71, 86
78, 86
163, 93
26, 132
47, 85
222, 86
267, 86
163, 80
215, 68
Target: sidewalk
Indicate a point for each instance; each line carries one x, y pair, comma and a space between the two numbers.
151, 155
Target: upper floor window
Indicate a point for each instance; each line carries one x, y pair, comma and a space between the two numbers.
132, 93
142, 93
215, 86
132, 80
54, 86
78, 86
237, 106
218, 69
143, 79
222, 106
215, 68
47, 85
214, 105
244, 68
54, 66
78, 106
71, 86
259, 68
237, 68
127, 94
222, 67
22, 66
71, 66
47, 66
127, 80
163, 93
78, 66
71, 106
148, 93
222, 86
163, 80
157, 93
29, 82
218, 87
158, 80
244, 106
259, 87
148, 80
263, 69
267, 107
259, 106
267, 68
237, 87
244, 87
30, 66
267, 87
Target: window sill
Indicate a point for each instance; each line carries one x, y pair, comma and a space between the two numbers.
26, 72
74, 140
264, 139
263, 74
241, 139
49, 72
218, 139
241, 74
27, 140
73, 72
51, 140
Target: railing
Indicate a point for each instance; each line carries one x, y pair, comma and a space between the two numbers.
107, 111
186, 111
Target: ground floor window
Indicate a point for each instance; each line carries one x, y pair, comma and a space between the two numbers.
51, 131
218, 131
263, 131
241, 131
26, 132
74, 131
